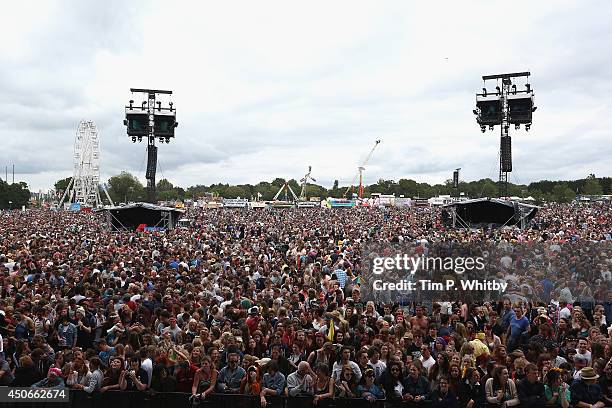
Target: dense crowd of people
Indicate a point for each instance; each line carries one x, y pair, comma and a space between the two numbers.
273, 303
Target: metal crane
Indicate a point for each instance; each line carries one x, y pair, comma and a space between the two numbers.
304, 181
360, 172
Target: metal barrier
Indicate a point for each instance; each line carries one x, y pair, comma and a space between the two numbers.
149, 399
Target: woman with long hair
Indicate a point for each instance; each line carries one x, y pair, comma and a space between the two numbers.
440, 368
215, 357
324, 384
112, 375
296, 356
346, 386
251, 347
204, 380
563, 329
500, 390
370, 310
385, 353
393, 381
491, 339
162, 380
454, 378
261, 345
500, 354
79, 375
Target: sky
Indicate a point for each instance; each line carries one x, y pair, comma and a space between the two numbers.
265, 89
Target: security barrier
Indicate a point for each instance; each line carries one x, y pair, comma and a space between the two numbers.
150, 399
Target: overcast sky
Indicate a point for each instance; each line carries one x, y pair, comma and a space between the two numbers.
264, 89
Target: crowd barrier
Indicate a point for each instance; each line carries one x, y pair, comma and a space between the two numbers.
148, 399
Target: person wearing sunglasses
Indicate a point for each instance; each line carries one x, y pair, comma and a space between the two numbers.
368, 389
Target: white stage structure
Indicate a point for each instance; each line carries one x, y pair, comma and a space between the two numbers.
84, 186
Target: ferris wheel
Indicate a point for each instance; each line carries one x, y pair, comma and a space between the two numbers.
84, 185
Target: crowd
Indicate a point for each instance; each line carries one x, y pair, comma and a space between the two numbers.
272, 303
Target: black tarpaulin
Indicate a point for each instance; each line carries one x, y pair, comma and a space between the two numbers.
491, 211
129, 217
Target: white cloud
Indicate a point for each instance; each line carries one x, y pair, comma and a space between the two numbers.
265, 89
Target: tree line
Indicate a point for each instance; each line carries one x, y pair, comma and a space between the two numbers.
125, 187
13, 195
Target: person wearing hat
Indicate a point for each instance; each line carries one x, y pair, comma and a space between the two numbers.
580, 362
586, 393
52, 381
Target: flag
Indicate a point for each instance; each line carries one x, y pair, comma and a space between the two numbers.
330, 332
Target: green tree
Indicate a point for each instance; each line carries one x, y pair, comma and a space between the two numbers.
279, 182
592, 187
235, 192
267, 190
62, 185
125, 187
164, 185
13, 195
409, 188
196, 191
489, 189
562, 193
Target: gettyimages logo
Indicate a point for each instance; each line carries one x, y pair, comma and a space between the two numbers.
471, 271
412, 264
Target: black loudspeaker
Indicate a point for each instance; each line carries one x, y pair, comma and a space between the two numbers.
489, 112
137, 124
520, 110
506, 154
151, 161
164, 125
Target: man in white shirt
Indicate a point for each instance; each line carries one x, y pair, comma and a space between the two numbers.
378, 366
146, 364
426, 357
564, 312
345, 359
582, 349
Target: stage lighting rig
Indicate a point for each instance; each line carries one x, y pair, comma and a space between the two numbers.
152, 123
506, 106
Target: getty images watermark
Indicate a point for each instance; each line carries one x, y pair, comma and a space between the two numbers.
446, 270
386, 270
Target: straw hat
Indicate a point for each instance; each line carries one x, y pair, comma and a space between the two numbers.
587, 373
